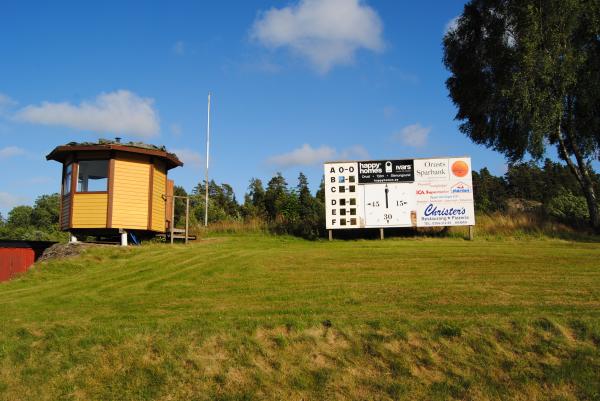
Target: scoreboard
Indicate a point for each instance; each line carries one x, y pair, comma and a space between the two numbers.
399, 193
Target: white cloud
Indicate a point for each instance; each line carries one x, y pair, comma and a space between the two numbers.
303, 156
306, 155
179, 48
326, 32
451, 25
8, 201
6, 101
11, 151
189, 157
356, 152
120, 112
413, 135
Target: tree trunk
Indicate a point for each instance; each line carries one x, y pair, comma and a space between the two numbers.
592, 203
582, 173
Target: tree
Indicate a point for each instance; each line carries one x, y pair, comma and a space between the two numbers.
254, 200
309, 210
45, 213
179, 204
275, 195
20, 217
525, 74
525, 181
304, 196
222, 204
489, 192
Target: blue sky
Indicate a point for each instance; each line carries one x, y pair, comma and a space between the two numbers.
293, 83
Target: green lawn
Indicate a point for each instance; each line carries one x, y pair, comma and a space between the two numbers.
258, 317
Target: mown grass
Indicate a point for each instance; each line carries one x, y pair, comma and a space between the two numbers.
258, 317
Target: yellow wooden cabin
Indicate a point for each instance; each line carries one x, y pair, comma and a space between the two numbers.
111, 188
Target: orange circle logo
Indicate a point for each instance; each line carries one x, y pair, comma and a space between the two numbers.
460, 168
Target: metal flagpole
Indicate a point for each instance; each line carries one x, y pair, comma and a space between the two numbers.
207, 154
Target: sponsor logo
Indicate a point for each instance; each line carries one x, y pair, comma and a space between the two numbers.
460, 168
432, 210
461, 188
433, 169
370, 168
428, 192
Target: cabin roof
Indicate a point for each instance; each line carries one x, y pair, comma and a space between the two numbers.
60, 153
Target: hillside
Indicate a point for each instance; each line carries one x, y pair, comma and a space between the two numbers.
260, 317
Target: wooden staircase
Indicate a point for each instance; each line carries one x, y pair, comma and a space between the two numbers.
179, 233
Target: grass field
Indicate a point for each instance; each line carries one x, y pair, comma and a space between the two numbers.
258, 317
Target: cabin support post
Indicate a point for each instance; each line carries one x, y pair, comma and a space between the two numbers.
72, 238
330, 235
187, 218
172, 227
123, 237
471, 233
381, 235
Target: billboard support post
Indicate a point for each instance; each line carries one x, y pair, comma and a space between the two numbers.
381, 236
471, 232
330, 235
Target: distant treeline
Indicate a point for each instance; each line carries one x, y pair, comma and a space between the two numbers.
282, 208
37, 223
548, 190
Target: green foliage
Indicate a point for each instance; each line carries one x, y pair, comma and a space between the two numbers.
222, 205
551, 185
20, 216
568, 207
288, 211
489, 192
45, 213
254, 201
37, 223
179, 205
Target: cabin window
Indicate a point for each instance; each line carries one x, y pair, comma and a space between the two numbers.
93, 176
67, 179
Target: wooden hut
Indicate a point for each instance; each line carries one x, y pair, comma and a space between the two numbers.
111, 188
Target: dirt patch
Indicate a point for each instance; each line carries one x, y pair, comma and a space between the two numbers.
60, 251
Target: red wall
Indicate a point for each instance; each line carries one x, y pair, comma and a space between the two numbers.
14, 261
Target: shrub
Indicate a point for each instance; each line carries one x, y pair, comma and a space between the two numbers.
568, 207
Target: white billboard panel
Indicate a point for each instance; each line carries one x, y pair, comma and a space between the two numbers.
399, 193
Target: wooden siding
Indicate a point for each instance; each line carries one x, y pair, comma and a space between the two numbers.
14, 261
130, 196
89, 210
65, 212
158, 197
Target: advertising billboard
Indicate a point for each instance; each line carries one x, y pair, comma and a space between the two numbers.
399, 193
